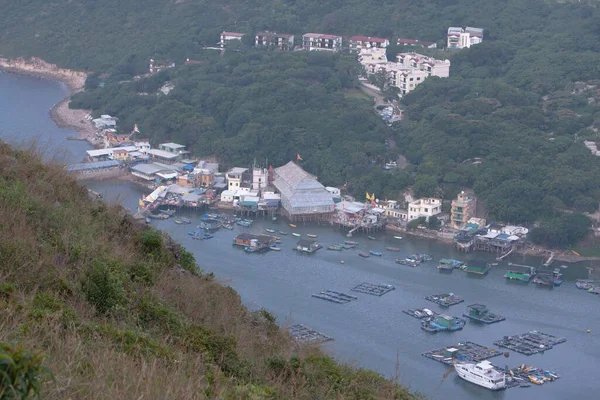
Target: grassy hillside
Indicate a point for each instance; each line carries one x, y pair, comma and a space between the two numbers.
120, 311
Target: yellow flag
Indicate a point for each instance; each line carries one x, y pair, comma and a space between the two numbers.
368, 198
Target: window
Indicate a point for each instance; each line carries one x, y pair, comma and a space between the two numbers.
411, 79
419, 78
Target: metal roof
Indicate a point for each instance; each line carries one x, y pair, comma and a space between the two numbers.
162, 153
172, 145
300, 188
92, 165
148, 169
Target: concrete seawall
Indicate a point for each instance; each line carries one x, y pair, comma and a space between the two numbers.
99, 175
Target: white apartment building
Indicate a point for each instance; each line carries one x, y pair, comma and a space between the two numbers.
459, 38
410, 70
357, 43
319, 41
227, 36
426, 207
234, 178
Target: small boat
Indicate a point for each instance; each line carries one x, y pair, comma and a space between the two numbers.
351, 243
168, 212
296, 234
311, 235
148, 220
375, 253
185, 220
227, 226
393, 249
293, 225
178, 221
335, 247
372, 237
398, 237
282, 233
270, 230
274, 248
364, 254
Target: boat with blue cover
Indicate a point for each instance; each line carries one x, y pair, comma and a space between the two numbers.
447, 264
375, 253
443, 323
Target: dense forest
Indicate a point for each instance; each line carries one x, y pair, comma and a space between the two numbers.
509, 122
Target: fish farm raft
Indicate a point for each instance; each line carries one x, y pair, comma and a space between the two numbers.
530, 343
421, 313
480, 313
373, 288
334, 297
304, 334
445, 299
466, 351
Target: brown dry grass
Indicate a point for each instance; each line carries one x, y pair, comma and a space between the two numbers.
168, 334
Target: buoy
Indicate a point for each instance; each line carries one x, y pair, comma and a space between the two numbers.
343, 262
587, 330
506, 354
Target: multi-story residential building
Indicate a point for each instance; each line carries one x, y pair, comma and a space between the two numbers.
463, 209
416, 43
357, 43
426, 207
409, 71
319, 41
459, 38
234, 178
227, 36
281, 41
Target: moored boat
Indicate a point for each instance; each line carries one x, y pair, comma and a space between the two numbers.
296, 234
482, 374
185, 220
227, 226
447, 264
375, 253
394, 249
398, 237
335, 247
372, 237
168, 211
148, 220
364, 254
274, 248
282, 233
311, 235
178, 221
293, 225
270, 230
351, 243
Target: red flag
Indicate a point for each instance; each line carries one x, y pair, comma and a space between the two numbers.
298, 158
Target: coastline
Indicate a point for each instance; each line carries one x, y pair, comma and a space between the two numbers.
61, 114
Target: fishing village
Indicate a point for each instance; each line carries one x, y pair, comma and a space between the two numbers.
193, 192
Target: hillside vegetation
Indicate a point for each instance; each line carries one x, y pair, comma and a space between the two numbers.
510, 121
119, 311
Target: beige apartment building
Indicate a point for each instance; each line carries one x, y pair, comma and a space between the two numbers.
463, 209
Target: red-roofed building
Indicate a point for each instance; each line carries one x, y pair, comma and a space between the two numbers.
416, 42
357, 43
227, 36
281, 41
319, 41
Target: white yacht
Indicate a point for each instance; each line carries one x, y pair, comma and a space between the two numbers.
482, 374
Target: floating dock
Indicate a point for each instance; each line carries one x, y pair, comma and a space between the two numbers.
530, 343
421, 313
480, 313
334, 297
376, 289
464, 351
445, 299
304, 334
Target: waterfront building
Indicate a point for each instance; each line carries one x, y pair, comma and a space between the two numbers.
462, 210
426, 207
302, 196
416, 43
234, 178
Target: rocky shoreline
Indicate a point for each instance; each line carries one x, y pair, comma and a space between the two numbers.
60, 113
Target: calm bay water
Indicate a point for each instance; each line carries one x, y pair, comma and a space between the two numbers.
372, 331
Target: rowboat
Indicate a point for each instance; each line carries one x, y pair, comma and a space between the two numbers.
293, 225
296, 234
282, 233
178, 221
398, 237
392, 249
270, 230
375, 253
364, 254
185, 220
335, 247
274, 248
310, 235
